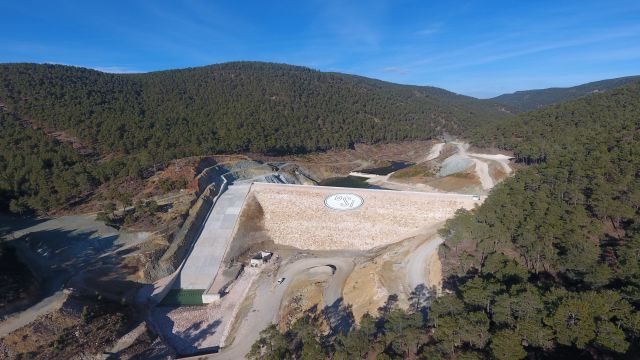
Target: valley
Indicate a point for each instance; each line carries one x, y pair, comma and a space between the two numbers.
227, 211
251, 298
326, 259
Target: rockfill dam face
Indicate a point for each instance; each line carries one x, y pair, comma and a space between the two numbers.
327, 218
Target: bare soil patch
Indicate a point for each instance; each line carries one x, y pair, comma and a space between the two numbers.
496, 171
304, 293
82, 327
465, 183
341, 162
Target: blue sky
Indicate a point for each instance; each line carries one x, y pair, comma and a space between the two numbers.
478, 48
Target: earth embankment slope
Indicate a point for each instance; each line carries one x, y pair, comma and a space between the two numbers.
296, 216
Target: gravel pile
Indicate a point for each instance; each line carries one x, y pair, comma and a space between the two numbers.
454, 164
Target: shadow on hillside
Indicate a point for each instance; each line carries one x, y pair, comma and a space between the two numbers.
341, 319
190, 340
10, 223
57, 255
339, 316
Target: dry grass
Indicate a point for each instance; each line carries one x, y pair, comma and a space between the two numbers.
468, 183
416, 172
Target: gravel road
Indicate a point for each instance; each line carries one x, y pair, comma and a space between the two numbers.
500, 158
23, 318
269, 294
434, 152
482, 170
420, 261
482, 167
76, 241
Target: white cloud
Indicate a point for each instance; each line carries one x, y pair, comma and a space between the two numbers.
354, 23
396, 70
431, 29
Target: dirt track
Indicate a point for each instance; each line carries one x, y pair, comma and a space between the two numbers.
268, 297
482, 164
75, 241
482, 170
418, 266
25, 317
435, 151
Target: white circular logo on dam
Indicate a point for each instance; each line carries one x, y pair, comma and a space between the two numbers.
343, 202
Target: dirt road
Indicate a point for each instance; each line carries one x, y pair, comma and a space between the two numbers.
482, 170
384, 182
269, 294
23, 318
500, 158
434, 152
371, 178
76, 241
419, 262
482, 167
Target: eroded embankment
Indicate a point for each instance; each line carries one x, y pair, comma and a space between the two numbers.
396, 269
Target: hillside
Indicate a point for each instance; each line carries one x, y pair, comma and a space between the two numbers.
561, 236
36, 171
123, 124
546, 268
231, 107
523, 101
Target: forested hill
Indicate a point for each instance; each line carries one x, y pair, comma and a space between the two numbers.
547, 268
231, 107
550, 263
523, 101
129, 122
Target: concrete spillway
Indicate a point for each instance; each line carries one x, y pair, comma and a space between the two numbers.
204, 261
